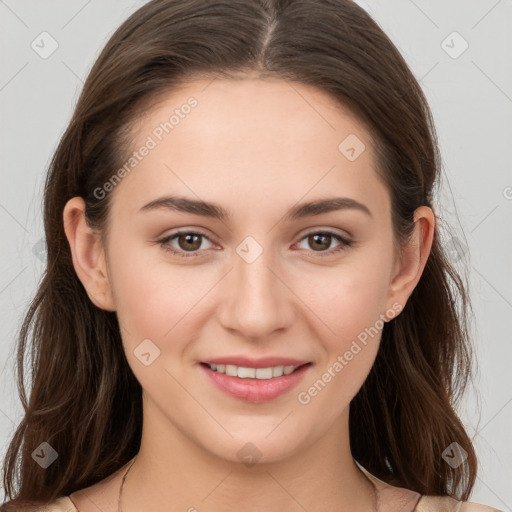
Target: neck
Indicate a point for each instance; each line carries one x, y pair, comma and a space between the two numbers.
171, 469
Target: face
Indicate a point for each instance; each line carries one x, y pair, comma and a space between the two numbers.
267, 284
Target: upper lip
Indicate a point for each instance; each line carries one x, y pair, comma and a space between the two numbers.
249, 362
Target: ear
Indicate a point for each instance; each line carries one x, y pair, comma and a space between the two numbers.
411, 261
88, 254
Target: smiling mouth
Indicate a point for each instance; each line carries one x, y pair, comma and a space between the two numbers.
243, 372
252, 384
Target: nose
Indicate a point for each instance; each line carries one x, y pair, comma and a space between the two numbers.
256, 299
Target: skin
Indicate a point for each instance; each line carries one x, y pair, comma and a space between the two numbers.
257, 148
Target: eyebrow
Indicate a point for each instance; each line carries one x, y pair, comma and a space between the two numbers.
215, 211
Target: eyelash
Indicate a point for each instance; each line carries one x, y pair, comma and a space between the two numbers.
344, 243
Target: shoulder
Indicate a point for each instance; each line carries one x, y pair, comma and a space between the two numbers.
400, 498
63, 504
448, 504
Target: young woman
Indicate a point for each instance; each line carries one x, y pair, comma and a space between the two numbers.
247, 304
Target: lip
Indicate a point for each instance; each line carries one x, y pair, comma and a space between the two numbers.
263, 362
255, 390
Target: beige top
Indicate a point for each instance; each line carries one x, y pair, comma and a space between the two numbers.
412, 501
408, 501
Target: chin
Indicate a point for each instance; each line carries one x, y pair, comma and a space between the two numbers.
252, 447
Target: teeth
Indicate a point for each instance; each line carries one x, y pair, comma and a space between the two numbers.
231, 370
246, 373
253, 373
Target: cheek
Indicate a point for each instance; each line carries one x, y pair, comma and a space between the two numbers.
154, 298
352, 313
350, 306
347, 303
156, 301
350, 297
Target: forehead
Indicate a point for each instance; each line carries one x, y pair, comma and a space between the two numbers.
272, 112
249, 138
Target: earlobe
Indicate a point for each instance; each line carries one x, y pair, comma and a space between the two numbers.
88, 254
413, 257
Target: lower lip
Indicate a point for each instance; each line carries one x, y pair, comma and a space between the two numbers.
255, 390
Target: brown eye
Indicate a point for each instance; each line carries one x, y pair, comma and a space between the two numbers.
320, 241
188, 243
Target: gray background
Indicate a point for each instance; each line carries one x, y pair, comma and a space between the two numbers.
470, 93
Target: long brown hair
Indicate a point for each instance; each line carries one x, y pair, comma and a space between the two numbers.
85, 401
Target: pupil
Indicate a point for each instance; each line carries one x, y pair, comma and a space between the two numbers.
188, 237
325, 236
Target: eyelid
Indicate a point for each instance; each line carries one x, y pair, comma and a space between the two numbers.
345, 241
182, 231
332, 231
